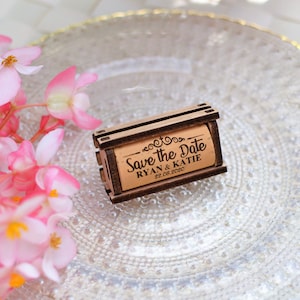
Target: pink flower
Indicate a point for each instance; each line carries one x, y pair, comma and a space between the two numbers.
12, 125
5, 42
25, 162
7, 146
61, 248
13, 62
59, 186
65, 99
15, 276
44, 153
21, 234
23, 166
35, 195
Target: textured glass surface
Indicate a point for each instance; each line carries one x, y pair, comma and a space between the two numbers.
235, 235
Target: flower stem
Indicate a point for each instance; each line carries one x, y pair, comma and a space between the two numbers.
17, 108
29, 106
6, 118
36, 136
17, 138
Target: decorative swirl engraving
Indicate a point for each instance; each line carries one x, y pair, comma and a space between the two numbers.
167, 140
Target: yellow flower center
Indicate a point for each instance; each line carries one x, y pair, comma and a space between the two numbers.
13, 230
55, 241
16, 280
58, 102
53, 193
9, 61
16, 199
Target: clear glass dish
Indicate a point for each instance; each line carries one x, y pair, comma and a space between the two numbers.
235, 235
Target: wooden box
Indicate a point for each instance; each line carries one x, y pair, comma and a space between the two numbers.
160, 152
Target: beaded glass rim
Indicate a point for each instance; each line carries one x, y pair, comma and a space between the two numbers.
144, 12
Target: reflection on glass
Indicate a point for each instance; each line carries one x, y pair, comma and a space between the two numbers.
258, 1
213, 2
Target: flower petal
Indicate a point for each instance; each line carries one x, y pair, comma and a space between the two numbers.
23, 164
25, 180
58, 179
36, 233
48, 267
85, 79
5, 42
22, 159
28, 270
7, 145
54, 219
85, 121
5, 39
27, 70
25, 55
20, 98
10, 83
44, 153
29, 205
67, 250
65, 183
81, 101
27, 251
7, 251
61, 204
4, 271
62, 83
39, 177
6, 185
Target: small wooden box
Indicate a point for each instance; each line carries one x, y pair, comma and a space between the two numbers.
160, 152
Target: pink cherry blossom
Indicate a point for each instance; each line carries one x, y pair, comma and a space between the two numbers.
65, 100
13, 62
21, 234
61, 248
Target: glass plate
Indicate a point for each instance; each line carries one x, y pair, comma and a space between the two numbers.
235, 235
